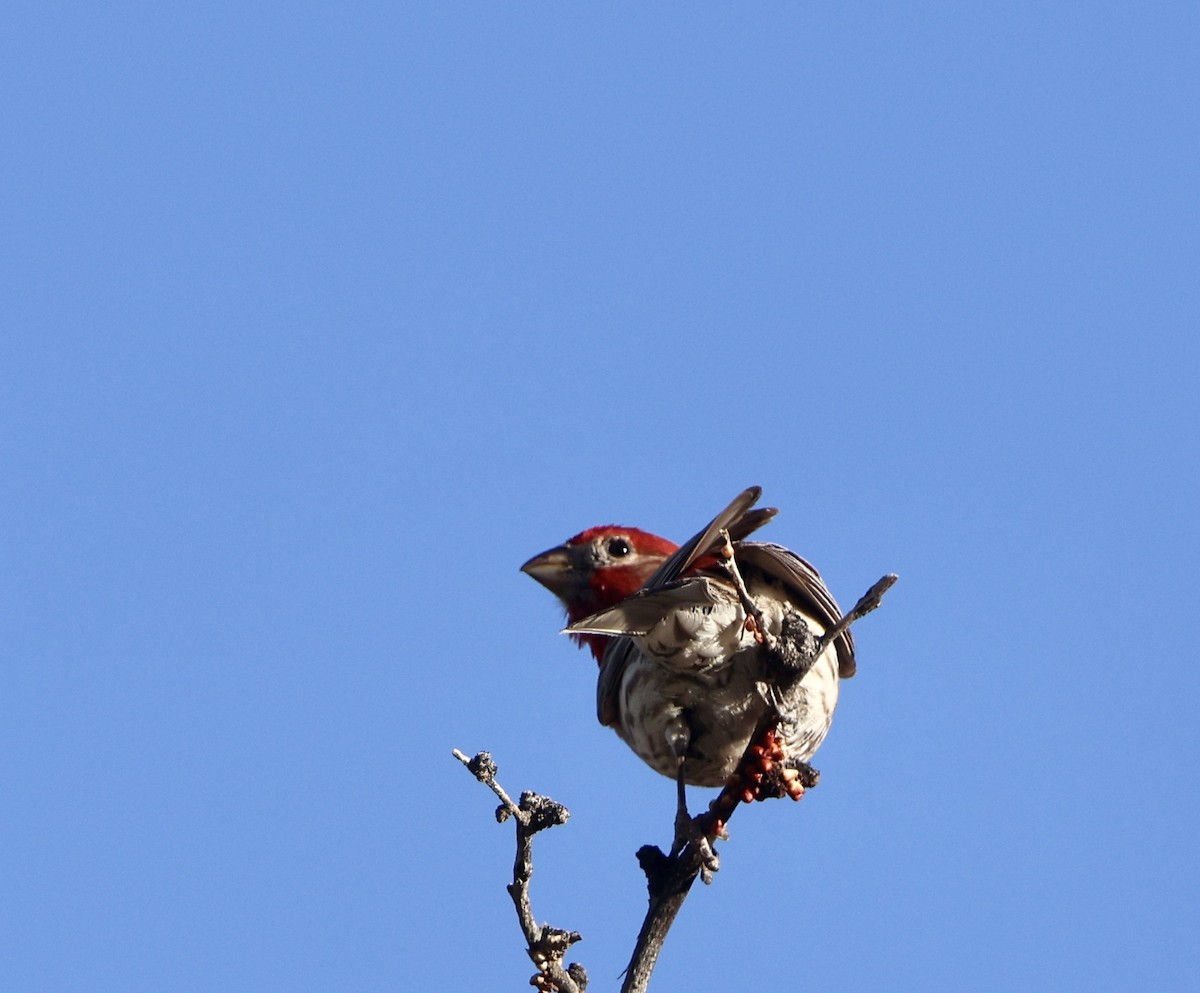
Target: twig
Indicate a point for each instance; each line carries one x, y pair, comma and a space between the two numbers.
754, 617
546, 945
866, 603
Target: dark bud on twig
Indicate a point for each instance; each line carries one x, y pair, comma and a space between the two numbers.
482, 767
579, 974
655, 865
872, 598
795, 650
553, 944
866, 603
542, 812
789, 778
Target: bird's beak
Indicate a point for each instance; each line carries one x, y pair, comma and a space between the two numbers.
552, 569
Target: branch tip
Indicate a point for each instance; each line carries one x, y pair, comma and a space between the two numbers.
545, 945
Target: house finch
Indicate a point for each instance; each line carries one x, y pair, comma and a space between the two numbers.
693, 643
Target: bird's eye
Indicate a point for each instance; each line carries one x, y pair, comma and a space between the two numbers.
618, 548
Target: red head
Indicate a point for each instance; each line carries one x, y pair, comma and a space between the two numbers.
597, 569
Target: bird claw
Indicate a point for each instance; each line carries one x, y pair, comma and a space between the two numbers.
691, 831
694, 832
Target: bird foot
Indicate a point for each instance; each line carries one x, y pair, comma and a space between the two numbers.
696, 832
789, 657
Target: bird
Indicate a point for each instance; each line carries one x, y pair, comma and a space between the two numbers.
692, 641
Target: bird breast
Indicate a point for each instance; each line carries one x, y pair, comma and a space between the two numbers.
696, 638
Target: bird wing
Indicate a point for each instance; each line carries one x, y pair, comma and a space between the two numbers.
637, 614
737, 519
617, 656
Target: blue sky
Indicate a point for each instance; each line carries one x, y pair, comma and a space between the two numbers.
319, 321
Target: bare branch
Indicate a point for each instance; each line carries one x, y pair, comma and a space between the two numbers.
546, 945
866, 603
